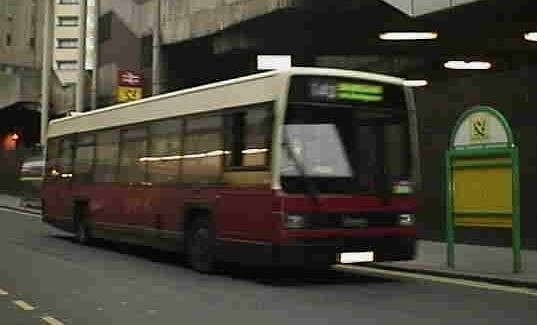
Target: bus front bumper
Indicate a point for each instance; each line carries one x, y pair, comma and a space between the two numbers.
319, 251
328, 251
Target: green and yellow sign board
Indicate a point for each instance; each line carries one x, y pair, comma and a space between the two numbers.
482, 177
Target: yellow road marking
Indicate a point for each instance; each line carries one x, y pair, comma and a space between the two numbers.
439, 279
3, 293
23, 305
51, 320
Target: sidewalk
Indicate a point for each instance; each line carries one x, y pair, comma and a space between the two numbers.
472, 262
20, 204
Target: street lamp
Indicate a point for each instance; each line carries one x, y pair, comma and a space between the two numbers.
463, 65
408, 36
46, 69
531, 36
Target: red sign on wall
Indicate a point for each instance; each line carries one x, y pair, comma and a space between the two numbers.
130, 79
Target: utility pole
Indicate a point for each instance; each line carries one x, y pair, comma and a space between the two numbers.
46, 69
156, 50
80, 86
94, 75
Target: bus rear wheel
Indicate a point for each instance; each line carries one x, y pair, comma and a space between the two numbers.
201, 246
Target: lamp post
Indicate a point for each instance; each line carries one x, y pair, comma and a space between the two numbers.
156, 50
94, 75
46, 69
80, 86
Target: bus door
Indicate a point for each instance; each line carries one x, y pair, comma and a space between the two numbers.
59, 190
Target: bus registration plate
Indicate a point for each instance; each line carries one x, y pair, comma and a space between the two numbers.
356, 257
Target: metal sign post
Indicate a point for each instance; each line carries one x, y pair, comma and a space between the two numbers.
482, 176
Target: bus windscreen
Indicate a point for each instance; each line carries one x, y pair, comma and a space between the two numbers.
344, 148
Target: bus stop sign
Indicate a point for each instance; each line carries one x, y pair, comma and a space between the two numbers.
482, 178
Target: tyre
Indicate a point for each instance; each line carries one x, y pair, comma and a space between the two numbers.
200, 246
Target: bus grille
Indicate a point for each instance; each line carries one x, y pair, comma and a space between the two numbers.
359, 220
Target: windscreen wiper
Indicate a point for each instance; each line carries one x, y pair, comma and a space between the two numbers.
310, 186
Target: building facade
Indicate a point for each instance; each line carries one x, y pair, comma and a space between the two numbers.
20, 62
21, 54
124, 27
66, 40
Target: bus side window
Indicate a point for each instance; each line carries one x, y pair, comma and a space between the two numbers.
258, 137
84, 158
133, 147
248, 137
165, 149
65, 161
53, 153
106, 156
203, 147
234, 139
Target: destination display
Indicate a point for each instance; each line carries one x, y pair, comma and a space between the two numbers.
346, 91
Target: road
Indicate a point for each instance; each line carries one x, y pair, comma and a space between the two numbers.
66, 283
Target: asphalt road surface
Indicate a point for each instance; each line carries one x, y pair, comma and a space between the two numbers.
46, 278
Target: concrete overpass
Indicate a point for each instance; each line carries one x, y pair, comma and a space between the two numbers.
416, 8
204, 40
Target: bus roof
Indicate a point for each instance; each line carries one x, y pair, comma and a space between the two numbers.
256, 88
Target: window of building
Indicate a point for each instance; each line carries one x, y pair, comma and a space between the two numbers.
133, 148
147, 51
105, 27
8, 39
67, 21
68, 2
248, 137
106, 156
67, 43
164, 156
67, 65
203, 150
8, 8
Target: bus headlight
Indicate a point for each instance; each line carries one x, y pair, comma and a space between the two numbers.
406, 219
294, 221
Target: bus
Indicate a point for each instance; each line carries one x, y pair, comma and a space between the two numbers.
296, 168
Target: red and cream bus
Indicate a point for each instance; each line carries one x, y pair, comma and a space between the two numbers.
300, 167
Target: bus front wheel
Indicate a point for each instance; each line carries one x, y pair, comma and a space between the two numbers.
201, 246
82, 231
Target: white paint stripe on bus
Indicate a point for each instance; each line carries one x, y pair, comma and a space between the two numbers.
3, 292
